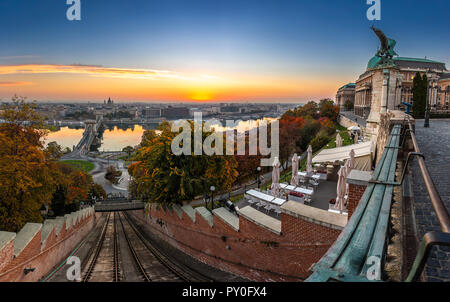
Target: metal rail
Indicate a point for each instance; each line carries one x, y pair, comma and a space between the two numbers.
430, 238
116, 272
183, 272
88, 273
138, 263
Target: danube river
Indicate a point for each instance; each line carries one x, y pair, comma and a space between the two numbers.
116, 138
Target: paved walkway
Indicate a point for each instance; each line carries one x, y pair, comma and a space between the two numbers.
351, 116
434, 142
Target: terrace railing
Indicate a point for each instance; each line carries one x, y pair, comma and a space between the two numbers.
359, 252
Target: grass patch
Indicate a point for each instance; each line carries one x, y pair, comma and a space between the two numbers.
82, 165
346, 140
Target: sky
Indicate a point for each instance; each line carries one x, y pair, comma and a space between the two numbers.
205, 50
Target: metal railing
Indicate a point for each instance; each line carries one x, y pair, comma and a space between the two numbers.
431, 238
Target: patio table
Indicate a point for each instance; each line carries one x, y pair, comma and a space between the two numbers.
260, 195
278, 201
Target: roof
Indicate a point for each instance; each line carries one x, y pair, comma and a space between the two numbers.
349, 85
342, 153
418, 63
414, 63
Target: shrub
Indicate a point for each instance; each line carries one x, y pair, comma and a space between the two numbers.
112, 174
319, 141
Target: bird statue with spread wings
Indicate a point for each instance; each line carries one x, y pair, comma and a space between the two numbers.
386, 52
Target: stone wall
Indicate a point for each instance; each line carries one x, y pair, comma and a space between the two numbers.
252, 245
346, 122
40, 247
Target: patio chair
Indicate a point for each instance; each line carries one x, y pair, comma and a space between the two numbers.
307, 199
250, 201
314, 183
277, 210
260, 204
268, 208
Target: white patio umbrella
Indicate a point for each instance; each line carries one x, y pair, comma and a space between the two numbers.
349, 165
340, 190
338, 140
295, 178
309, 168
275, 187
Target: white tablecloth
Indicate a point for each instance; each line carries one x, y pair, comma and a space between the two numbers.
278, 201
304, 191
260, 196
296, 189
314, 176
287, 187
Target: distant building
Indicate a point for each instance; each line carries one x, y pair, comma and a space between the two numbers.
345, 94
151, 112
397, 77
443, 91
175, 112
231, 109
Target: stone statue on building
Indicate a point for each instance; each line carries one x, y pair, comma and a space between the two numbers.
384, 55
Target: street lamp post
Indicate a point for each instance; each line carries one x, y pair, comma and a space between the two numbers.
212, 196
258, 170
205, 199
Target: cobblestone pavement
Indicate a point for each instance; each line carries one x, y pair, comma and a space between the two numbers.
434, 143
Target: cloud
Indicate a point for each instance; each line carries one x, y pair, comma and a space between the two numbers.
11, 84
99, 71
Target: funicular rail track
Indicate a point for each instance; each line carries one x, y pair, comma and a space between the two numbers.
138, 263
151, 263
97, 251
183, 272
116, 277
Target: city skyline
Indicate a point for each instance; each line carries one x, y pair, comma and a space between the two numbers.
198, 51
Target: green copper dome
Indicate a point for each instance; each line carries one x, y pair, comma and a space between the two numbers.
373, 62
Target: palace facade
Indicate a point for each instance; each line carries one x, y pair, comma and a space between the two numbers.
397, 77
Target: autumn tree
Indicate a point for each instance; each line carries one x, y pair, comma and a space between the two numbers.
73, 187
26, 176
328, 109
160, 176
53, 151
290, 137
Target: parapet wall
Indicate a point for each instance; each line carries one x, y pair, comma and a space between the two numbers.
252, 245
37, 248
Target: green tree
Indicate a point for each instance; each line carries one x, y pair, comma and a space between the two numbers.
128, 150
58, 202
112, 174
348, 105
53, 151
419, 91
162, 177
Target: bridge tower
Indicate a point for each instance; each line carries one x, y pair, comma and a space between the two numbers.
99, 118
